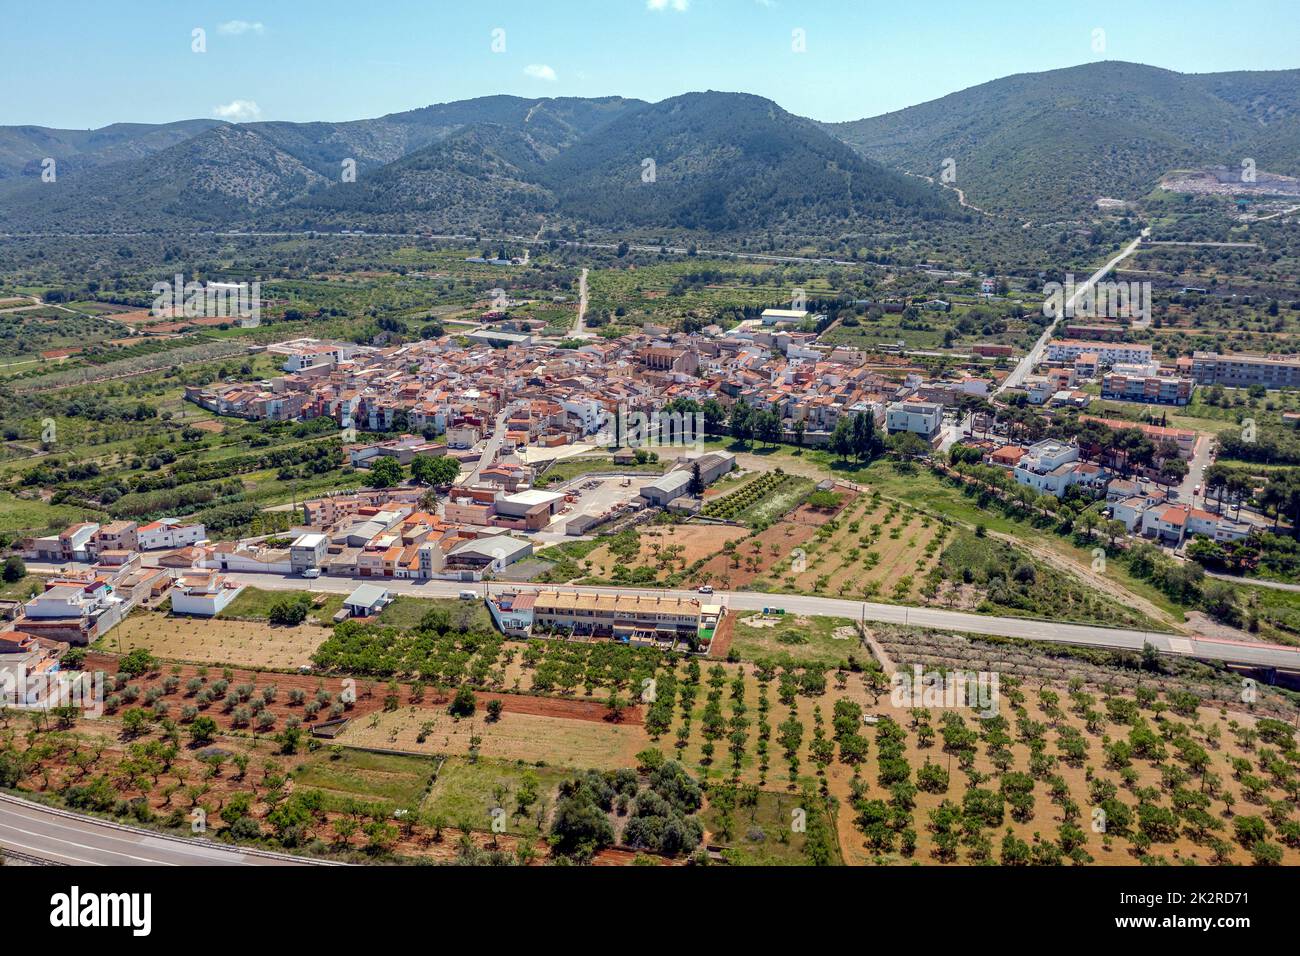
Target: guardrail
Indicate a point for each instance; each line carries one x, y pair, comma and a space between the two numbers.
155, 834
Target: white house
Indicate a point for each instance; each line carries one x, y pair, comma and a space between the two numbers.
307, 551
66, 600
922, 418
1054, 466
204, 594
169, 533
463, 436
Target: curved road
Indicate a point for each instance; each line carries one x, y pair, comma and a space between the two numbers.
57, 836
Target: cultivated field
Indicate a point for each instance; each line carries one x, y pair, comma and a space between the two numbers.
564, 742
216, 641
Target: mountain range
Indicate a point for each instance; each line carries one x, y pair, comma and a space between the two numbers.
1040, 144
1032, 145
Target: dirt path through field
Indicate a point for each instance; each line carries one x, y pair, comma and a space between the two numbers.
1063, 562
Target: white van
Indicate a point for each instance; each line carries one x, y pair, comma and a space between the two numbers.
469, 595
311, 573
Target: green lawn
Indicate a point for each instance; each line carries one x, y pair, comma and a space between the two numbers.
403, 612
255, 603
568, 468
810, 641
24, 516
407, 611
467, 792
396, 781
21, 589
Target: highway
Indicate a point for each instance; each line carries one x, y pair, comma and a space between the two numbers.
56, 836
1254, 654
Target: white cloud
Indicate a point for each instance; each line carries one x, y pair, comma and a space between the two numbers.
238, 111
236, 27
540, 71
681, 6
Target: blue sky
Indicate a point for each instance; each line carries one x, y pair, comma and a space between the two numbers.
86, 63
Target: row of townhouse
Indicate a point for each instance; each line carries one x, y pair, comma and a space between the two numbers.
642, 620
249, 401
1184, 439
87, 541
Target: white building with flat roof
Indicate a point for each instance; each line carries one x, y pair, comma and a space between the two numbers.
308, 551
204, 594
921, 418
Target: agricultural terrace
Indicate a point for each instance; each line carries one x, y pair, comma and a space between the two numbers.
962, 505
244, 635
1179, 777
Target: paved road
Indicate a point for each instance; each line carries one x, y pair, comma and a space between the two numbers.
1196, 470
490, 448
1035, 355
39, 831
1254, 654
954, 433
1256, 582
580, 323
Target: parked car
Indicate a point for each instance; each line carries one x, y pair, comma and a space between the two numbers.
311, 573
706, 589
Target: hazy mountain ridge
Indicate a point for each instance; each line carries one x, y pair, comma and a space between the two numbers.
1036, 145
725, 161
1052, 142
22, 148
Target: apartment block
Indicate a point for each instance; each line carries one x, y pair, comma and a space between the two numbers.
1242, 371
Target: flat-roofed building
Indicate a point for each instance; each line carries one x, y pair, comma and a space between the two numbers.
204, 593
633, 618
1271, 371
1150, 389
1107, 353
921, 418
307, 551
116, 536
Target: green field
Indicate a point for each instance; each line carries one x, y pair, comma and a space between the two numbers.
466, 792
347, 777
800, 640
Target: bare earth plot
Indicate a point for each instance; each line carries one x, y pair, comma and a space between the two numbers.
242, 643
577, 744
